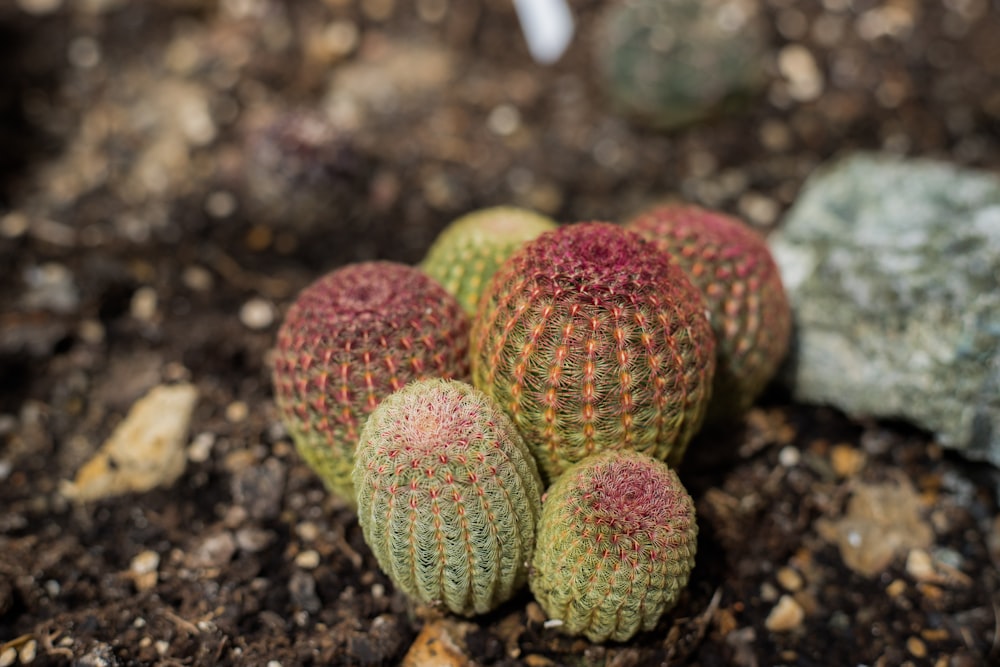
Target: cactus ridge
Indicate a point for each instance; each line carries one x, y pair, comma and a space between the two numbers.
350, 339
590, 338
730, 264
616, 544
470, 250
448, 496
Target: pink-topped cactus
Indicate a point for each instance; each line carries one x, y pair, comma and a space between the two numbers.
448, 496
616, 545
730, 263
591, 338
350, 339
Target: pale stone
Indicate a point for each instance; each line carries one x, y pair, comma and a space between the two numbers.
785, 616
145, 451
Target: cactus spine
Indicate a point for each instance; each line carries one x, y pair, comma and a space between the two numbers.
616, 544
590, 338
349, 340
448, 496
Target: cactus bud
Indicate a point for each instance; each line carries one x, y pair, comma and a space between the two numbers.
469, 250
448, 496
732, 266
616, 544
349, 340
591, 338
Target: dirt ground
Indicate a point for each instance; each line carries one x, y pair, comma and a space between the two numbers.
161, 205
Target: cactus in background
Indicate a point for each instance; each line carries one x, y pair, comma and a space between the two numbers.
674, 62
468, 252
591, 338
349, 340
732, 266
448, 496
616, 544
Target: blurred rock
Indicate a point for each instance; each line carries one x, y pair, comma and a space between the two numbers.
674, 63
893, 270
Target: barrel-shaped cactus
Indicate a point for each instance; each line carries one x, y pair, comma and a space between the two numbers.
730, 263
349, 340
468, 252
591, 338
448, 496
616, 545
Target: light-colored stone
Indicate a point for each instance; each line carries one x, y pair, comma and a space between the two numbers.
892, 267
435, 647
787, 615
145, 451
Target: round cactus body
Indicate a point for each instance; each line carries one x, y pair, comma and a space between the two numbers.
448, 496
732, 266
591, 338
469, 250
616, 544
349, 340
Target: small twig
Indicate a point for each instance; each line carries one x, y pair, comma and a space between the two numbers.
181, 623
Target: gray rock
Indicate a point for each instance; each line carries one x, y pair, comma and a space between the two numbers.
893, 270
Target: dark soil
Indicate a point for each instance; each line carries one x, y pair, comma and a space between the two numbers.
140, 246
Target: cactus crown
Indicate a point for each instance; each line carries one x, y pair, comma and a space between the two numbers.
616, 544
448, 496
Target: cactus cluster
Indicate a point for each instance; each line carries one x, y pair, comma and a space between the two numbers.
350, 339
732, 266
470, 250
616, 544
591, 338
448, 496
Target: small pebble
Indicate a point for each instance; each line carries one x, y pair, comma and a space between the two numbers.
144, 303
307, 531
84, 53
201, 447
91, 332
920, 566
29, 652
220, 204
257, 314
797, 65
896, 588
789, 457
504, 120
145, 562
308, 560
197, 279
846, 460
14, 225
916, 647
236, 412
253, 540
790, 579
8, 657
39, 8
786, 615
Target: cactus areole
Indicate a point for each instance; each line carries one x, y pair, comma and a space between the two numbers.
591, 338
448, 496
350, 339
616, 545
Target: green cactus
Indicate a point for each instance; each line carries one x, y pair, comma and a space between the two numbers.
448, 496
616, 544
591, 338
673, 62
469, 250
349, 340
732, 266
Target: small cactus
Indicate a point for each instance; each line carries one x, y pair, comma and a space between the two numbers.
349, 340
591, 338
448, 496
732, 266
468, 252
616, 544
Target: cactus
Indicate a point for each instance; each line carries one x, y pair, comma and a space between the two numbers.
448, 496
731, 264
591, 338
349, 340
616, 544
670, 63
469, 250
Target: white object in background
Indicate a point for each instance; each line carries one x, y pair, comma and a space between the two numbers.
547, 27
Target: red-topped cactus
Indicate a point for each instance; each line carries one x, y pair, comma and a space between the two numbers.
448, 496
731, 264
350, 339
616, 545
591, 338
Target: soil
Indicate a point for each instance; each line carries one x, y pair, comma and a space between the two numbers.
143, 244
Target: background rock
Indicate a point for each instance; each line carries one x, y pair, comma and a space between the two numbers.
893, 270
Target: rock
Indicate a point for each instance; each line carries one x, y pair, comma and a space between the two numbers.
785, 616
146, 450
673, 63
882, 521
260, 488
435, 646
893, 270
